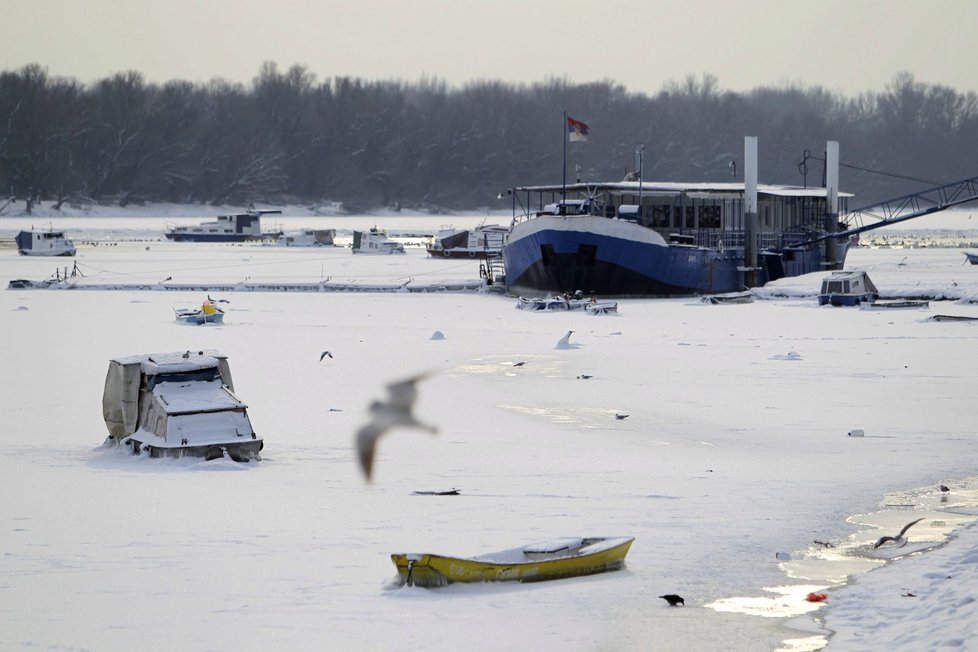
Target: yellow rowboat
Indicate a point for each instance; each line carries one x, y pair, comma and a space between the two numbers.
538, 562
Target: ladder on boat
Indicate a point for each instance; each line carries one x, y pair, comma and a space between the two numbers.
907, 207
493, 270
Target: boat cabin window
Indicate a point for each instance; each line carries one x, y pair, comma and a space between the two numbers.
835, 287
710, 217
205, 375
569, 207
661, 216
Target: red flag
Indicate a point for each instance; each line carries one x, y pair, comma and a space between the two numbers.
577, 130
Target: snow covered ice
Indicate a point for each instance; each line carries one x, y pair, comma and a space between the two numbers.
736, 449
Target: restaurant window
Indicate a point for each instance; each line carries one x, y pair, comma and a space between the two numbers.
660, 216
710, 217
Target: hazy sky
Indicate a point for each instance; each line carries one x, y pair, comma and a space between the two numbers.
848, 46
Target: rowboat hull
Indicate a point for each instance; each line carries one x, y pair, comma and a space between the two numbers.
529, 564
198, 317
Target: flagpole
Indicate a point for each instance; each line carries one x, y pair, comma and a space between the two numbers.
563, 191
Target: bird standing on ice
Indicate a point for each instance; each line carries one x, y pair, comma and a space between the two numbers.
396, 411
565, 343
673, 599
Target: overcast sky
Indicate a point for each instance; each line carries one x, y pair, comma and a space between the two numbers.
847, 46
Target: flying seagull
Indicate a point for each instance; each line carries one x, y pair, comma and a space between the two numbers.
899, 539
673, 599
385, 415
324, 354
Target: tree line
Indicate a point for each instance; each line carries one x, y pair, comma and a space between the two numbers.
288, 138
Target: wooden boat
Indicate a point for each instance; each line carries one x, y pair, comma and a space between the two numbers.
550, 560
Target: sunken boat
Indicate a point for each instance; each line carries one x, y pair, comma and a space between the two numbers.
178, 404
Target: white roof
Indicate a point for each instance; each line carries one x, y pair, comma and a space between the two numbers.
158, 363
668, 188
200, 396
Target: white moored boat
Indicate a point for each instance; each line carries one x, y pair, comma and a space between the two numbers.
307, 238
375, 241
240, 227
44, 243
484, 241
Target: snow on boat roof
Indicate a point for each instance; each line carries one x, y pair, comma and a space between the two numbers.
666, 188
200, 396
158, 363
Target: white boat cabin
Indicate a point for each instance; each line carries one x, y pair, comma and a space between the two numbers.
375, 241
177, 404
847, 288
44, 243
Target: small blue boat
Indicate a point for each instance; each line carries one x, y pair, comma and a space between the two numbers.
208, 313
848, 288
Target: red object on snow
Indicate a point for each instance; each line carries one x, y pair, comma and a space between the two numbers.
817, 597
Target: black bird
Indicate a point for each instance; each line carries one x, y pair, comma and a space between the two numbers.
673, 599
944, 488
584, 377
899, 539
519, 364
324, 354
620, 416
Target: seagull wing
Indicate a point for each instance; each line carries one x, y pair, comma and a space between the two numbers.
366, 442
882, 540
908, 526
324, 354
403, 393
